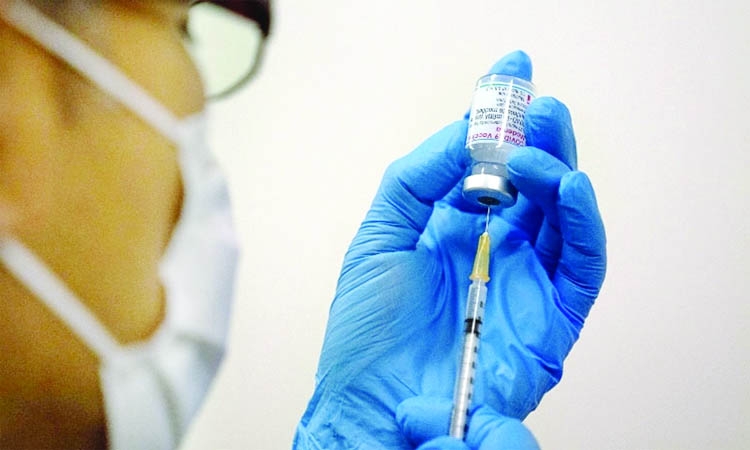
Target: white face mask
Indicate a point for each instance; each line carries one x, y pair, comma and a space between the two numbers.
151, 389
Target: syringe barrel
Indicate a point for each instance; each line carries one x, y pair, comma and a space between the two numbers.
464, 387
465, 381
475, 304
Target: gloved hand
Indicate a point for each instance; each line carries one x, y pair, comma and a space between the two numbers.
395, 327
425, 420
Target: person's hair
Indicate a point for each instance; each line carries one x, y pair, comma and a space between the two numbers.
63, 11
258, 11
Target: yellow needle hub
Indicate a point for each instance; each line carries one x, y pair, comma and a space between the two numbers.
481, 270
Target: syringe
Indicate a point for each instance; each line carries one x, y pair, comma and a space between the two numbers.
474, 316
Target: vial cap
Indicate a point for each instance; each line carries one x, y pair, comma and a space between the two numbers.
489, 190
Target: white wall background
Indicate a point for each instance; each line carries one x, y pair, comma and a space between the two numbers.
660, 100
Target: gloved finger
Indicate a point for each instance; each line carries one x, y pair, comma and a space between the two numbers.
516, 64
583, 260
410, 186
444, 443
547, 126
537, 176
548, 247
423, 418
489, 430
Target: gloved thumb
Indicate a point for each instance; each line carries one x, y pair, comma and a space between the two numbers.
410, 187
424, 421
424, 418
444, 443
489, 430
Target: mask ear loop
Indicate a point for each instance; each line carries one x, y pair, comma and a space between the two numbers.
108, 77
53, 292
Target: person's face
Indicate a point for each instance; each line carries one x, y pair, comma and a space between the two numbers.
95, 192
47, 108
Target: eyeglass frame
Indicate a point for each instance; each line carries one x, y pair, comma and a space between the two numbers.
257, 11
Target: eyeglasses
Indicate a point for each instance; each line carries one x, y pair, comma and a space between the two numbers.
226, 40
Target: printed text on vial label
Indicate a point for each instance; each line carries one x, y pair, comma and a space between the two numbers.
497, 114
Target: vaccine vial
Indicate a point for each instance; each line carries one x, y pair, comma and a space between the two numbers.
495, 129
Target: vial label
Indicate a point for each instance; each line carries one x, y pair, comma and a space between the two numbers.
497, 112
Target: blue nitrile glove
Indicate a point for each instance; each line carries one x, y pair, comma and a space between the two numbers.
425, 421
395, 328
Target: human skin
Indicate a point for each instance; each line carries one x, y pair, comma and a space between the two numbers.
95, 192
